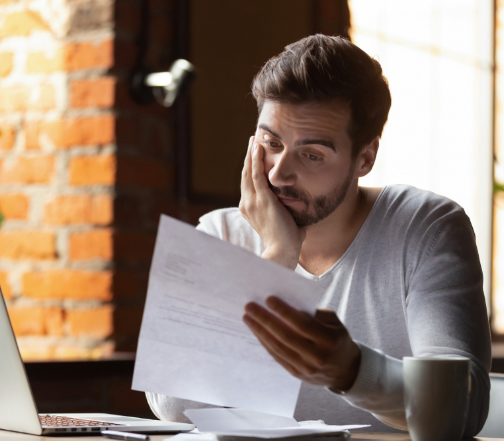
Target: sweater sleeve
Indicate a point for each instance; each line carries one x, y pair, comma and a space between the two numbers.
446, 315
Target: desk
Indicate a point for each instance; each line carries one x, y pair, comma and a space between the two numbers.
13, 436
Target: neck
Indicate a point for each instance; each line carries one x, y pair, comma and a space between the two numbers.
328, 240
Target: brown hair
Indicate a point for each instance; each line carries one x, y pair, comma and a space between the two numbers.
321, 68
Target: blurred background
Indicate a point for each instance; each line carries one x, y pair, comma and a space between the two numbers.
87, 166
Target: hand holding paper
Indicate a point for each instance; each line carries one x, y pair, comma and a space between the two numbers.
193, 343
317, 350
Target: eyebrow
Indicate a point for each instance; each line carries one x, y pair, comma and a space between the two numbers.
307, 141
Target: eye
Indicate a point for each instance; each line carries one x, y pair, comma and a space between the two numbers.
313, 157
273, 143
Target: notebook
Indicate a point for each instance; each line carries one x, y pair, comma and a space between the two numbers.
18, 411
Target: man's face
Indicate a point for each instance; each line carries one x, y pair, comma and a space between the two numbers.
308, 157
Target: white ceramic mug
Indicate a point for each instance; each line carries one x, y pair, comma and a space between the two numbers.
436, 397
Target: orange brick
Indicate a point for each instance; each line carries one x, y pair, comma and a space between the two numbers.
43, 62
14, 206
14, 98
17, 245
102, 210
92, 93
95, 244
5, 285
31, 129
68, 284
93, 170
36, 321
27, 321
6, 137
27, 170
95, 323
20, 98
6, 63
54, 321
79, 209
141, 172
35, 352
65, 133
71, 57
22, 23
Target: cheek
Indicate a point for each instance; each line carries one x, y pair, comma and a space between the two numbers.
269, 163
320, 181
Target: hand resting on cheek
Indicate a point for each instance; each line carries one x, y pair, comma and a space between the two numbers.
265, 213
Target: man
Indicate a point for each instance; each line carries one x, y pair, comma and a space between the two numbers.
398, 265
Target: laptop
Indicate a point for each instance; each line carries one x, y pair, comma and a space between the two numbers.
18, 411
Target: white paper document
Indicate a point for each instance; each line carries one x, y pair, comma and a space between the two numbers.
239, 423
230, 420
193, 343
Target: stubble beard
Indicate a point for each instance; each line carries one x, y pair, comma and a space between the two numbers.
318, 208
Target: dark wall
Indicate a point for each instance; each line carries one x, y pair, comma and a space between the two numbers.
86, 386
229, 41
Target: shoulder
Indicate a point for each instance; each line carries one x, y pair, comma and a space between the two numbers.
417, 220
410, 209
219, 222
405, 199
228, 224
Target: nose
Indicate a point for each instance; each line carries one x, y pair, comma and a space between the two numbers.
282, 171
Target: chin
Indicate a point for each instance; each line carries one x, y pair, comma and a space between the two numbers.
304, 218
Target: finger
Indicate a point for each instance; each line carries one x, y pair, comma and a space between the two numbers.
290, 360
248, 156
247, 186
327, 317
300, 321
258, 175
281, 331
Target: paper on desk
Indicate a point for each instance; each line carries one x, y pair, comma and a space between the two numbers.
244, 423
193, 343
228, 420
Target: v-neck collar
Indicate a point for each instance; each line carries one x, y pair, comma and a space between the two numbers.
301, 270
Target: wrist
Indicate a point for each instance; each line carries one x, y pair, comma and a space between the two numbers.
345, 382
286, 259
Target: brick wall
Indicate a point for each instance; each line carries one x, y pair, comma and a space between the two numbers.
84, 172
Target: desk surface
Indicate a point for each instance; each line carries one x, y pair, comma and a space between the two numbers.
13, 436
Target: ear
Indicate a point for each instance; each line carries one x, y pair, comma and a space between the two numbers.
367, 157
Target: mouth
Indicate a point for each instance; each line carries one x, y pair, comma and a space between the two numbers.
287, 201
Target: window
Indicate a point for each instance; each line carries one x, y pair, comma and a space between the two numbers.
438, 58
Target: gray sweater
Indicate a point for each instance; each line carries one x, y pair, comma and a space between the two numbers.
409, 284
